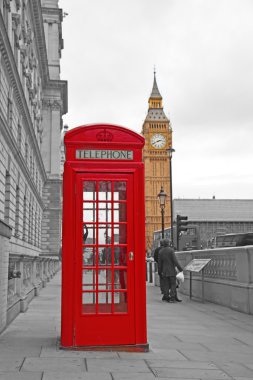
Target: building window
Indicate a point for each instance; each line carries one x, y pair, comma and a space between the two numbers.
7, 197
17, 213
30, 223
26, 152
19, 136
9, 113
24, 219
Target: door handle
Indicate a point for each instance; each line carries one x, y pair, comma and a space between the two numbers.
131, 256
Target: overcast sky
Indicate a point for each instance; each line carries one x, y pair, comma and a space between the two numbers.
203, 54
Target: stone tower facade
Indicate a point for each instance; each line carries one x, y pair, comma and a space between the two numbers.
54, 106
158, 136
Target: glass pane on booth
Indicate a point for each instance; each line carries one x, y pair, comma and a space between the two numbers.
89, 279
120, 302
89, 303
104, 234
120, 279
119, 212
104, 191
105, 212
120, 256
89, 212
89, 256
105, 279
120, 234
104, 302
106, 256
119, 190
89, 234
89, 190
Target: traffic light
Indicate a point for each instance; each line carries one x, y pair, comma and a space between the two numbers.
181, 226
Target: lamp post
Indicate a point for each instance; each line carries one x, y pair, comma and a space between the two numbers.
170, 153
162, 198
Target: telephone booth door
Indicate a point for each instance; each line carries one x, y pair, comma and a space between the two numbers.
104, 275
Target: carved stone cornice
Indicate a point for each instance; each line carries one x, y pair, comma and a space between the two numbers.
57, 12
62, 87
51, 104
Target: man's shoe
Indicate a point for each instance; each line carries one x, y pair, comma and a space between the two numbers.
172, 301
178, 300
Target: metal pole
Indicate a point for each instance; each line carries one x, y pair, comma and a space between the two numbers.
190, 284
171, 204
162, 211
203, 296
177, 241
150, 273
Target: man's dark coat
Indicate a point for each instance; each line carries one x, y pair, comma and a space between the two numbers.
167, 262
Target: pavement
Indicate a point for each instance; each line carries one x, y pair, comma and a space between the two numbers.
188, 340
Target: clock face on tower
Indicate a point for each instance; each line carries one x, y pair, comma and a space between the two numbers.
158, 141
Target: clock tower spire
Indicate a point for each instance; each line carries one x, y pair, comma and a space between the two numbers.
158, 139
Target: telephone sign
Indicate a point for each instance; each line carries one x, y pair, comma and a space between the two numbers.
105, 154
103, 252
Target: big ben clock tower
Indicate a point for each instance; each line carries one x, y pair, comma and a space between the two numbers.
158, 139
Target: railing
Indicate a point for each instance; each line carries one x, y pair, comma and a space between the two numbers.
228, 276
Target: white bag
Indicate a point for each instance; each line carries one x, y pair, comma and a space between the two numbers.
180, 276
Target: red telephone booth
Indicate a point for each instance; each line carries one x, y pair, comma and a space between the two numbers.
103, 245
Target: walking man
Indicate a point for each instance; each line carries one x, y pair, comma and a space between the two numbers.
167, 264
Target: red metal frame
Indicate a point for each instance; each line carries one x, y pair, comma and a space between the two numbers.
125, 329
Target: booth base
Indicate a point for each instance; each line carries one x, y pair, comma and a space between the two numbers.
121, 348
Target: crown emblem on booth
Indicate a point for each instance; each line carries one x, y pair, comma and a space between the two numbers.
104, 136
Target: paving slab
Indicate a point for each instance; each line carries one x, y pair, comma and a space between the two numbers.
170, 354
54, 364
117, 365
10, 364
233, 347
17, 352
218, 356
52, 352
20, 376
76, 376
133, 376
236, 369
250, 364
179, 373
183, 365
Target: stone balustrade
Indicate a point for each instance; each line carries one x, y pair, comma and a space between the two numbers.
228, 278
27, 276
21, 277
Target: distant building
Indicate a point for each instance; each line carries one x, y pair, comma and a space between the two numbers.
32, 102
216, 216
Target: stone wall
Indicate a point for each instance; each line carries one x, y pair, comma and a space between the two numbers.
228, 278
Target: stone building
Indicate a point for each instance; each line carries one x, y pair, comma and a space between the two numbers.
32, 102
216, 216
158, 139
